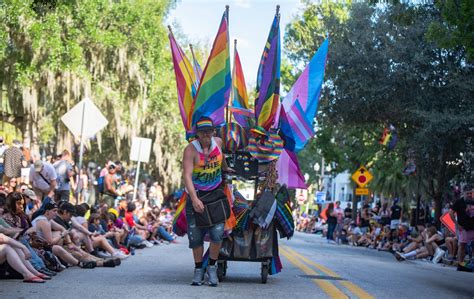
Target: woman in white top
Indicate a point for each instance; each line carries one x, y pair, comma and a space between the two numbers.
54, 234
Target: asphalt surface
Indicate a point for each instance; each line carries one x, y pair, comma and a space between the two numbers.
312, 269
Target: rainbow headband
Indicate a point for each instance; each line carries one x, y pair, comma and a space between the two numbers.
204, 124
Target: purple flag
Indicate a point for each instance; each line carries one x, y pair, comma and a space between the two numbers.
289, 172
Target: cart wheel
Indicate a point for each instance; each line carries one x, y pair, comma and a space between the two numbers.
225, 269
220, 271
264, 274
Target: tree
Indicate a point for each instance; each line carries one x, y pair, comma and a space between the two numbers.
54, 53
383, 70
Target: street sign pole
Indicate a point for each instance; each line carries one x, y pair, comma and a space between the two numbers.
81, 153
135, 187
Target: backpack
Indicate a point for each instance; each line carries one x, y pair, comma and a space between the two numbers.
101, 184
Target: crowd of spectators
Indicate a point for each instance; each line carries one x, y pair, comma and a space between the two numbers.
53, 216
388, 228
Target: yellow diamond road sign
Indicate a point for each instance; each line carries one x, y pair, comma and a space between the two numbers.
362, 177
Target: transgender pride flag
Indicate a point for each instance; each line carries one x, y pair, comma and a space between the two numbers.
300, 105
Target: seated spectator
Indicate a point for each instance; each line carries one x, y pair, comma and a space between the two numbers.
16, 255
139, 229
44, 227
429, 238
354, 234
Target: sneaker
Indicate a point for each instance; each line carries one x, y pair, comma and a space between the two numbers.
119, 254
109, 263
88, 265
463, 268
102, 254
438, 255
148, 244
213, 281
400, 256
198, 276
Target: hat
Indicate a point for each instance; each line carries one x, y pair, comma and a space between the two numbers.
204, 123
233, 136
50, 206
114, 212
29, 193
38, 165
265, 147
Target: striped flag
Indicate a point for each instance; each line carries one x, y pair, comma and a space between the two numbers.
268, 78
289, 172
185, 80
240, 104
214, 88
196, 67
307, 87
296, 129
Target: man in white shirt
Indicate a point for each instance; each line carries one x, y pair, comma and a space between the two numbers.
43, 179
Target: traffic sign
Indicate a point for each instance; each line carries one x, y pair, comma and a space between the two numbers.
362, 177
362, 191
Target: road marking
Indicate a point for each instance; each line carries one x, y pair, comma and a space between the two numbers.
354, 289
326, 286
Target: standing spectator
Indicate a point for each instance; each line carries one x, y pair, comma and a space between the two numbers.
332, 222
64, 172
3, 148
364, 221
26, 154
396, 214
43, 179
465, 225
348, 211
339, 213
110, 187
384, 214
13, 159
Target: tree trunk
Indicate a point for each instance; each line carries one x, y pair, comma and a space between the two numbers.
438, 206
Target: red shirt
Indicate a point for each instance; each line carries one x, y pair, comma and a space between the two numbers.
129, 219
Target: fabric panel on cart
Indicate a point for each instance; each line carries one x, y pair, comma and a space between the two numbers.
243, 244
263, 242
263, 208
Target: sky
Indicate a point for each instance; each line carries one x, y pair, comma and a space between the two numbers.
249, 23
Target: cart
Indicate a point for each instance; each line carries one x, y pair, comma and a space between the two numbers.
253, 245
251, 251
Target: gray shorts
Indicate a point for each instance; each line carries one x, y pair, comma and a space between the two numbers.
196, 234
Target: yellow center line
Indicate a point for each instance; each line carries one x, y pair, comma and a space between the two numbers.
326, 286
354, 289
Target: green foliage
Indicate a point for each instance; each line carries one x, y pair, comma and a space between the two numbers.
55, 53
383, 70
456, 28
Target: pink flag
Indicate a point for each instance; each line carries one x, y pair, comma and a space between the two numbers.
289, 172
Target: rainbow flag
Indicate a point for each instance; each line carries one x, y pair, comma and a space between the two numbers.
240, 102
214, 89
185, 83
196, 67
268, 78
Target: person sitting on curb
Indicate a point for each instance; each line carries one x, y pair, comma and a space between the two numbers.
17, 255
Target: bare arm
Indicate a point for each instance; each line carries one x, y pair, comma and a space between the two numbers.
52, 187
188, 164
45, 228
79, 227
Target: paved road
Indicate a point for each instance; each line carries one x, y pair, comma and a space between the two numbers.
312, 269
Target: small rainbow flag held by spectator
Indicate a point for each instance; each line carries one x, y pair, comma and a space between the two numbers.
185, 83
240, 103
268, 78
214, 89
